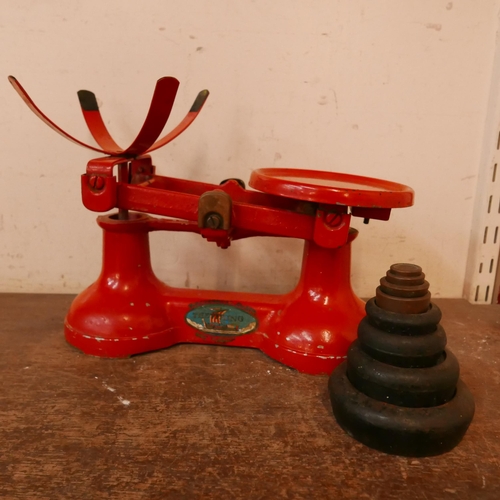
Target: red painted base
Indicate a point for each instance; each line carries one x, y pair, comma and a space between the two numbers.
128, 310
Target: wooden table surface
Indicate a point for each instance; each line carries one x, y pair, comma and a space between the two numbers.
215, 422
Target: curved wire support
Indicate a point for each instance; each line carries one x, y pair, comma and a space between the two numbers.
184, 124
94, 121
158, 114
29, 102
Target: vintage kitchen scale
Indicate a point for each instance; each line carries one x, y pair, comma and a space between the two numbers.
128, 310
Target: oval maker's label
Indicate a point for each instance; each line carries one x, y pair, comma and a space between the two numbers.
221, 319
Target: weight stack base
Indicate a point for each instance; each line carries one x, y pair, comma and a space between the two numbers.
397, 430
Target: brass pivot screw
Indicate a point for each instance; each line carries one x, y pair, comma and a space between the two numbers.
214, 210
213, 221
96, 182
404, 290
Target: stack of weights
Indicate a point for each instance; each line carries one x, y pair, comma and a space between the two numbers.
399, 389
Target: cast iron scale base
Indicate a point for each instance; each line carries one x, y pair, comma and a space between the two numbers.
128, 310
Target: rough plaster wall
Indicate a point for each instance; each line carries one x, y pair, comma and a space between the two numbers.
383, 88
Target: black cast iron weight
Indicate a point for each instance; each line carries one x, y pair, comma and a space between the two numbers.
399, 390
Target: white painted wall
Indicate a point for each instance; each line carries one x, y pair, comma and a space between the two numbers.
384, 88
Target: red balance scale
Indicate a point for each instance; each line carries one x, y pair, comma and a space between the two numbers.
128, 310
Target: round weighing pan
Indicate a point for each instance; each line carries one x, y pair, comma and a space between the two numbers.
331, 188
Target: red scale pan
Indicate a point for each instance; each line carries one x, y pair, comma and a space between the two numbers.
332, 188
128, 310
